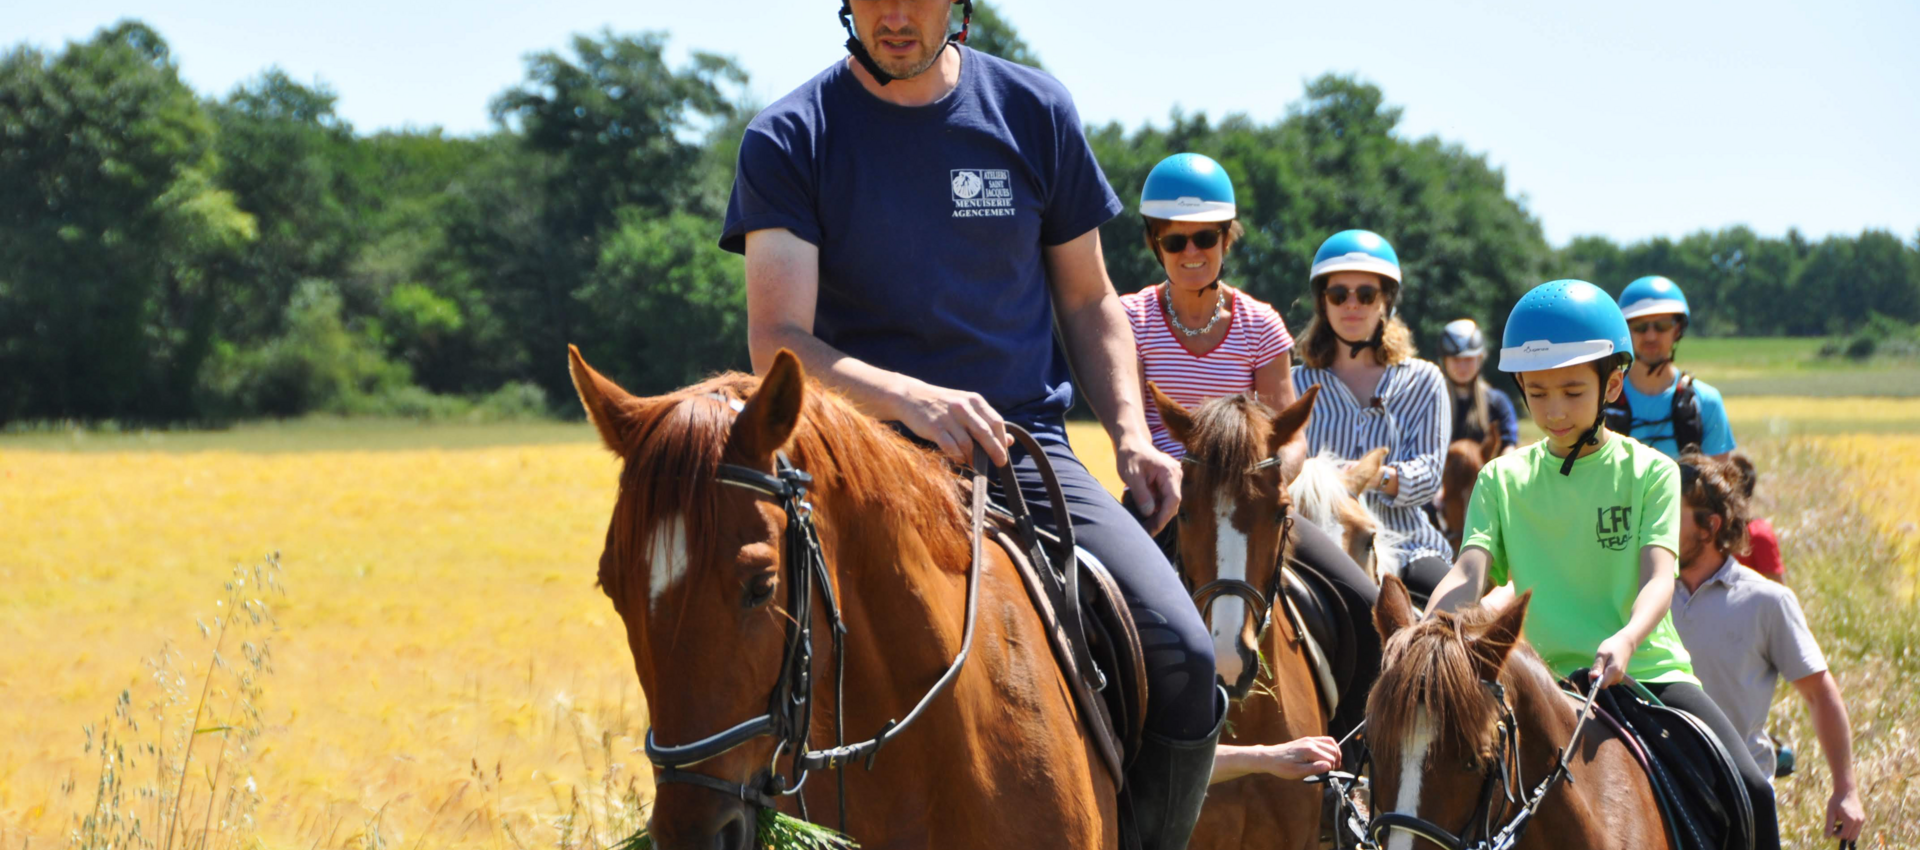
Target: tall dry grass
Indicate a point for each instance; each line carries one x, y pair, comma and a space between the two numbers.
447, 675
1850, 564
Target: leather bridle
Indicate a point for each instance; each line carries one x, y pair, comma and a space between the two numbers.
1502, 775
789, 715
1259, 603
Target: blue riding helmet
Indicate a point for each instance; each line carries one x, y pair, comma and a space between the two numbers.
1560, 323
1652, 296
1188, 187
1355, 251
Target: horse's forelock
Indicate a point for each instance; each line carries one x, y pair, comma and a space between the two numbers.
672, 471
1230, 435
1429, 666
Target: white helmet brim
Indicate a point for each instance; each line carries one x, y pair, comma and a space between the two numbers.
1653, 307
1541, 355
1189, 209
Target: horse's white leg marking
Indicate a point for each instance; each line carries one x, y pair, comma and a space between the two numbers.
1229, 612
668, 558
1413, 760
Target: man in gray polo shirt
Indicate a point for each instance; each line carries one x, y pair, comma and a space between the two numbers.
1745, 633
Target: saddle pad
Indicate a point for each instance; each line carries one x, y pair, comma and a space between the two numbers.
1094, 712
1329, 623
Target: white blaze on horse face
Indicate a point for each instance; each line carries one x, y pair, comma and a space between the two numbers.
667, 558
1413, 763
1229, 612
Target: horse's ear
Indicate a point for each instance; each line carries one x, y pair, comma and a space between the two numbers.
1178, 421
1288, 422
614, 412
1393, 610
1491, 643
774, 411
1365, 472
1490, 447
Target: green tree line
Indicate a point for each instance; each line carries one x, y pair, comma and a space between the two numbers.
171, 257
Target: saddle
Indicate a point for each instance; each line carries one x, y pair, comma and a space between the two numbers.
1695, 779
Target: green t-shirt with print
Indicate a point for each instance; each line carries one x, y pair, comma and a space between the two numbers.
1575, 541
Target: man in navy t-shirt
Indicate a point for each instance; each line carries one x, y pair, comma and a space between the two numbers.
916, 221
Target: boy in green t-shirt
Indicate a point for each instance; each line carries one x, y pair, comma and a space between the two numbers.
1588, 520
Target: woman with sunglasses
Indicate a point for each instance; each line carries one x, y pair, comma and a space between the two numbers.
1199, 338
1375, 393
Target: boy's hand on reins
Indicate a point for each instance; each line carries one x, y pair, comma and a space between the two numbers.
1610, 662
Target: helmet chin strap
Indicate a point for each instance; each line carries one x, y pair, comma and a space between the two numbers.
1589, 437
1379, 336
859, 49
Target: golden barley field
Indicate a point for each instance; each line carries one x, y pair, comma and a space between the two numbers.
442, 672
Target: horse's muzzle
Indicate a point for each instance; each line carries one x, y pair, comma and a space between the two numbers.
690, 818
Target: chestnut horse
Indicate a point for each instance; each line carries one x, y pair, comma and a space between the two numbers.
1234, 513
697, 571
1464, 707
1465, 458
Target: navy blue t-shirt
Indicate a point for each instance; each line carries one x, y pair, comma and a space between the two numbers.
931, 222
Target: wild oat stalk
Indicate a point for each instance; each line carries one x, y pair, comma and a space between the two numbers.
115, 821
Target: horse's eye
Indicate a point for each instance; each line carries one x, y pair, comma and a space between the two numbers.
1182, 516
759, 590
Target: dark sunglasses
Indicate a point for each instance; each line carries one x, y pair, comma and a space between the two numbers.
1661, 325
1337, 295
1174, 243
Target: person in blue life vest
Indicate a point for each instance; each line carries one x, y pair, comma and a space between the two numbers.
916, 219
1589, 522
1662, 406
1375, 392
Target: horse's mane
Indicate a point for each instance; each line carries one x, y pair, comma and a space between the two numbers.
1320, 495
1430, 666
674, 456
1230, 435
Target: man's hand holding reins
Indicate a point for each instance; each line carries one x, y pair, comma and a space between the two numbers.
954, 420
1153, 477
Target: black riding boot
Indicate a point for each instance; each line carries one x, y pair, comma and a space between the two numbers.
1165, 787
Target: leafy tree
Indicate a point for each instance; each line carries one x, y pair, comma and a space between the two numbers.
992, 33
284, 156
668, 308
613, 129
112, 228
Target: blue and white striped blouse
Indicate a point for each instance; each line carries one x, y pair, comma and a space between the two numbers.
1410, 416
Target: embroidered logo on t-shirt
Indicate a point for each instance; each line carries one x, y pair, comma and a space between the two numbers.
1613, 527
981, 192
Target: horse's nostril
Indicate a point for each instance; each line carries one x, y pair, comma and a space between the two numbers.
733, 835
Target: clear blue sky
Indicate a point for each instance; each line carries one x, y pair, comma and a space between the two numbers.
1627, 119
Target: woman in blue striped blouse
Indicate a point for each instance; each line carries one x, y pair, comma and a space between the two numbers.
1375, 393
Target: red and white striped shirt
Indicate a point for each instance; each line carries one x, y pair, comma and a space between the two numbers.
1256, 336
